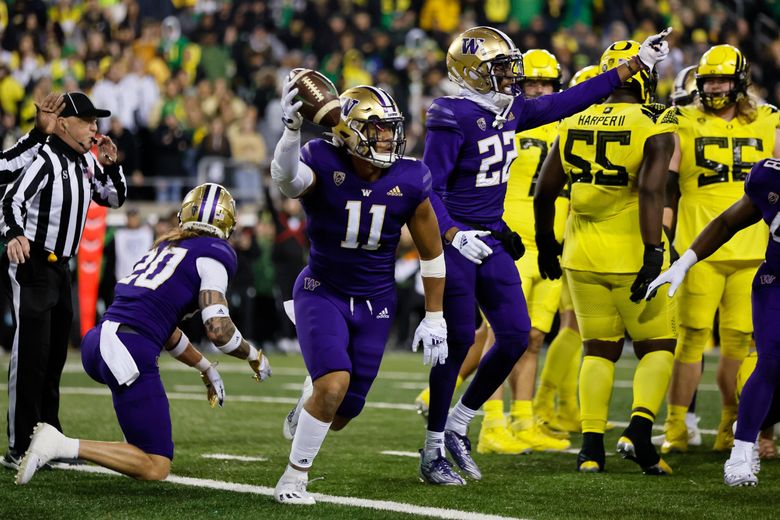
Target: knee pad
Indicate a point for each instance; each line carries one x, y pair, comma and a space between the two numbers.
351, 405
734, 344
690, 344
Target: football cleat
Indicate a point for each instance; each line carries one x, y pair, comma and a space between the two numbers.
291, 421
435, 469
737, 472
644, 454
544, 403
535, 437
11, 460
422, 402
724, 439
694, 434
46, 444
675, 437
459, 447
497, 438
592, 457
291, 489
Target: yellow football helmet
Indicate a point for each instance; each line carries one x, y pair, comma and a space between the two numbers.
371, 125
209, 208
684, 91
479, 58
584, 74
643, 82
722, 61
541, 65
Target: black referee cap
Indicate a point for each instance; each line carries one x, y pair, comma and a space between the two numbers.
78, 104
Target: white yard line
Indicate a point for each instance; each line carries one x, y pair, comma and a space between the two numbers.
380, 505
393, 453
240, 458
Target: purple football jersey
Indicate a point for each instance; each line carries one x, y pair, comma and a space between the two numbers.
762, 185
470, 158
353, 225
164, 286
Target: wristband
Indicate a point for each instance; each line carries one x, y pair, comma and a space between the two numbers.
202, 365
214, 311
180, 347
253, 353
232, 344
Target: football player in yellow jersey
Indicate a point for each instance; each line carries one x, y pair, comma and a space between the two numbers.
616, 155
541, 76
718, 140
562, 363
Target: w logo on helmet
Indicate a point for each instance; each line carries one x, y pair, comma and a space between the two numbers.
471, 45
349, 104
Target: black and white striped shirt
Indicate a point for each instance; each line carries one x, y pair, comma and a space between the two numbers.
48, 203
14, 160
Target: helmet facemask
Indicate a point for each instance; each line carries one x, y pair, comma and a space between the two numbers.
719, 100
379, 141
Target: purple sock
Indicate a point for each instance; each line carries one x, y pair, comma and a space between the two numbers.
757, 397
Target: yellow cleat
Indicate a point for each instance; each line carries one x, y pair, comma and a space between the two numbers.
724, 440
499, 440
548, 430
544, 404
536, 438
676, 440
589, 466
422, 402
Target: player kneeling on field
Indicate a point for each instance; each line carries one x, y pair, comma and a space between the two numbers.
191, 263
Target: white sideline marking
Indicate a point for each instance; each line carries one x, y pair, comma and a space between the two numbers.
413, 454
225, 456
382, 505
660, 427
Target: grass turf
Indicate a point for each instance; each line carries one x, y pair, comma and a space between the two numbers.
540, 485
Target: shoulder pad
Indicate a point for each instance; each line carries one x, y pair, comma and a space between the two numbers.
221, 251
441, 114
653, 110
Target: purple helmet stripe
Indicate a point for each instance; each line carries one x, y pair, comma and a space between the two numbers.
214, 203
203, 202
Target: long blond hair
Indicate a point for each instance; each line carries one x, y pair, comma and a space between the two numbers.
178, 234
747, 108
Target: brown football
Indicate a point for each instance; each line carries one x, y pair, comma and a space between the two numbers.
319, 96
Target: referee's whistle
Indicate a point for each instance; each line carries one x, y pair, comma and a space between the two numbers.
52, 257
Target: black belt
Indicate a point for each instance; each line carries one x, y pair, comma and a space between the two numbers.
51, 257
127, 329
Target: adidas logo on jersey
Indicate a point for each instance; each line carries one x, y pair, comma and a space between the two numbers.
395, 192
383, 314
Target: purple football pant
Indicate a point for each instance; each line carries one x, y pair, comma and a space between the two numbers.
141, 408
340, 333
495, 284
759, 390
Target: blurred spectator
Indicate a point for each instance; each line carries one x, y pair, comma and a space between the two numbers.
215, 143
124, 248
241, 292
245, 142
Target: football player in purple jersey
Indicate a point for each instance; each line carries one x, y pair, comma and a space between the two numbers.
469, 147
760, 201
358, 191
187, 270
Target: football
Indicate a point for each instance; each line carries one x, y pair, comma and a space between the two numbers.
319, 96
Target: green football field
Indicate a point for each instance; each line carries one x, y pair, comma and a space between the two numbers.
228, 460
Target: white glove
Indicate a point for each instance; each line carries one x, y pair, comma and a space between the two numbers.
261, 367
674, 276
291, 118
654, 48
470, 246
214, 386
432, 331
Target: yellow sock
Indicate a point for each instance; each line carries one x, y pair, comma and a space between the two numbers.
458, 382
494, 412
596, 377
568, 389
522, 411
562, 350
728, 413
675, 412
651, 380
745, 369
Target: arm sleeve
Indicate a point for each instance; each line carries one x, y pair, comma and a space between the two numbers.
289, 173
213, 275
23, 189
109, 187
443, 141
553, 107
15, 159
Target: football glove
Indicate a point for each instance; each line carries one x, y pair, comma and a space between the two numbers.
291, 118
432, 332
470, 245
261, 367
549, 251
674, 276
652, 262
654, 48
214, 387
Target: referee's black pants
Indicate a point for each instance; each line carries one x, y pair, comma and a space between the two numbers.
42, 309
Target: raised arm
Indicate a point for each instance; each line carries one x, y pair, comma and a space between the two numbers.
291, 176
109, 187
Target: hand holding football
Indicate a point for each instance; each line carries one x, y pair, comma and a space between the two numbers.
319, 97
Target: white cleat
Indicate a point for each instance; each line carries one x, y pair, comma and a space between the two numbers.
694, 434
291, 421
737, 472
46, 444
291, 489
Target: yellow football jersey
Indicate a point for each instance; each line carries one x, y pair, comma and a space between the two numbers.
532, 147
601, 150
715, 157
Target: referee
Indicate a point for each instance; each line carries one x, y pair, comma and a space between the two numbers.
44, 212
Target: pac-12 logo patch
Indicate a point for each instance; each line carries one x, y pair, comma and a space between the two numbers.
338, 178
481, 123
773, 197
310, 283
